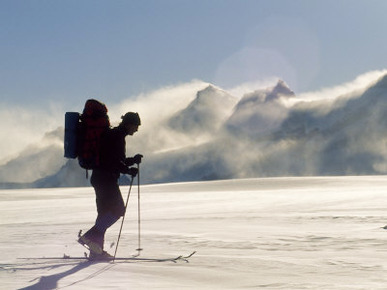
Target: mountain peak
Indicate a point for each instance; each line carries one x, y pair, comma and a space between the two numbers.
209, 89
281, 89
211, 94
267, 95
206, 112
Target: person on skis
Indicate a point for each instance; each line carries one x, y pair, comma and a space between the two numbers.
104, 179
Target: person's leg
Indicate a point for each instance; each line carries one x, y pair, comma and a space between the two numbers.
94, 237
110, 207
105, 221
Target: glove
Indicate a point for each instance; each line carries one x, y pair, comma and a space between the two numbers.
132, 171
136, 159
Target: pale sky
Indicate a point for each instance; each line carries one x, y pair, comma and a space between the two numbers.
67, 51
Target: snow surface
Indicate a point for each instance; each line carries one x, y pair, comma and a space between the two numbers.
272, 233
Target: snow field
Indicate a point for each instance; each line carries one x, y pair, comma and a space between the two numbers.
272, 233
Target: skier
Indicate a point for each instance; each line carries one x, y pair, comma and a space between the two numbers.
104, 179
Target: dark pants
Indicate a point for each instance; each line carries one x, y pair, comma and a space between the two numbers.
110, 205
108, 194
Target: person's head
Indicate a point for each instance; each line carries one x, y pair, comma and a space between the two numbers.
130, 121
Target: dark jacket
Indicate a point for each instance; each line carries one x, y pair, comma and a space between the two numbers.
112, 151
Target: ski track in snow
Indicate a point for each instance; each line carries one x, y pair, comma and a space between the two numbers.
271, 233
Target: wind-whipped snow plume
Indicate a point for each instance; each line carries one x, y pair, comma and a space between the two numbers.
260, 112
26, 143
20, 127
155, 106
246, 88
340, 136
343, 135
358, 85
38, 159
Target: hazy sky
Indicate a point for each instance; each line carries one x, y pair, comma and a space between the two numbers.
67, 51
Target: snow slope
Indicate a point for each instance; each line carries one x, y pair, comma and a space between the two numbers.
271, 233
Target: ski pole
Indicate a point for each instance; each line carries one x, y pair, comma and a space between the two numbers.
138, 212
123, 218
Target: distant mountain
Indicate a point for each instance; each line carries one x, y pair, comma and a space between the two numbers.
206, 113
257, 136
260, 112
341, 137
69, 175
345, 136
36, 161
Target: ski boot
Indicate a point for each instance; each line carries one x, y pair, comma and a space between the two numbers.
93, 241
104, 256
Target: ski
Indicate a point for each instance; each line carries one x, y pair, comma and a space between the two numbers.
122, 259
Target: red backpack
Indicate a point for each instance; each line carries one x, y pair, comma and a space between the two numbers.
93, 122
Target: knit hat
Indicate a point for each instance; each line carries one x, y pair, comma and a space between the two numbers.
131, 118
